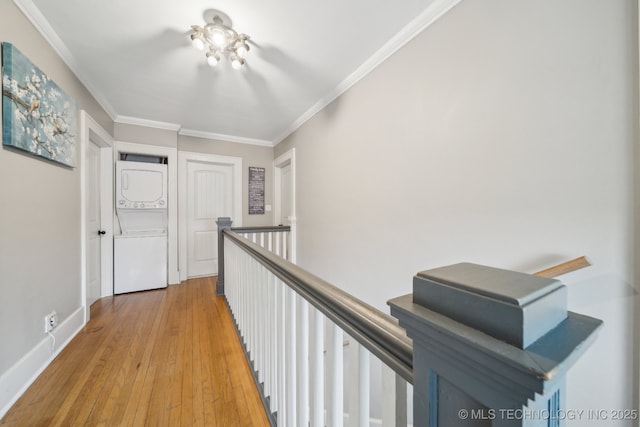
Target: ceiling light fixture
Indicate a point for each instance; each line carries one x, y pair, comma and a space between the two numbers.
217, 39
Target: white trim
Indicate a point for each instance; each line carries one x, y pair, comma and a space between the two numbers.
173, 275
289, 157
286, 158
147, 123
33, 14
222, 137
183, 158
92, 132
83, 211
15, 381
431, 14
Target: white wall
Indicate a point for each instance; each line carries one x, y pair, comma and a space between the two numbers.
39, 223
503, 135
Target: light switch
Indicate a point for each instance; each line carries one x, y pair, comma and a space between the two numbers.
267, 208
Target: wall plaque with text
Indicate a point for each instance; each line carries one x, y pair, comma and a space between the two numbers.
256, 190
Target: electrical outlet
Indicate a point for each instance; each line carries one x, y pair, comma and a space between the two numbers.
50, 321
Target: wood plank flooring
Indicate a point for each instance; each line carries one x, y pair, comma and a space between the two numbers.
167, 357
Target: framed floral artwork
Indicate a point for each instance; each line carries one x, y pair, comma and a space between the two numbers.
37, 116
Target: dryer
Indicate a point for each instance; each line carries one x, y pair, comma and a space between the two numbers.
140, 251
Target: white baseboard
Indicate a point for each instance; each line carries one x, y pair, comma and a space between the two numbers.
20, 376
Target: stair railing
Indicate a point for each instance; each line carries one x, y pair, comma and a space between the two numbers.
294, 327
299, 332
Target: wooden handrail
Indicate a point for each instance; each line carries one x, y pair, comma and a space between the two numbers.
564, 268
261, 229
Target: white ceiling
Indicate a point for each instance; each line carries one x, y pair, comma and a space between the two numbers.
136, 58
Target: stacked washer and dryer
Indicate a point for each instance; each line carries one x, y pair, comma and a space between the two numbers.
140, 251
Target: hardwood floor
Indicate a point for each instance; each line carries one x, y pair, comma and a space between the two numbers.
158, 358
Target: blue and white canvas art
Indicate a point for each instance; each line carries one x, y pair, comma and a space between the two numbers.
37, 116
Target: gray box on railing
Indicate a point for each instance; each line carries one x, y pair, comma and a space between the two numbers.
514, 307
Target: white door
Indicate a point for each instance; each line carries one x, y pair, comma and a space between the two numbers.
209, 196
94, 230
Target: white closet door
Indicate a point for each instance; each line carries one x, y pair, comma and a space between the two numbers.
93, 225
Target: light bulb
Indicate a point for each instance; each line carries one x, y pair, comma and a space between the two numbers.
212, 59
197, 42
237, 62
219, 38
242, 49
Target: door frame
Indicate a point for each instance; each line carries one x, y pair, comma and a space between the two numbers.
92, 132
184, 157
285, 159
173, 276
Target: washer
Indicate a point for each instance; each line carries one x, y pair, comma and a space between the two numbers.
140, 252
140, 262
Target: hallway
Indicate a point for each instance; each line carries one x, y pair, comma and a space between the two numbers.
158, 358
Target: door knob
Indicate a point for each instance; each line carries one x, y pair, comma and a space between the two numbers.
101, 232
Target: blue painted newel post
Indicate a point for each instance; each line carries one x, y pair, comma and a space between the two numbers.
491, 347
223, 223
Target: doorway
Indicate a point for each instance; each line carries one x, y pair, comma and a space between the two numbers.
284, 179
210, 187
96, 172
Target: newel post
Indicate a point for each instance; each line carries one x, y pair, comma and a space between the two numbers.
491, 347
224, 223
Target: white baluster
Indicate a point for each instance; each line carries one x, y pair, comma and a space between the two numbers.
285, 254
292, 239
245, 299
265, 326
255, 354
282, 403
267, 339
291, 355
249, 316
241, 301
316, 369
260, 323
358, 380
250, 335
277, 244
271, 325
394, 403
303, 361
335, 410
273, 344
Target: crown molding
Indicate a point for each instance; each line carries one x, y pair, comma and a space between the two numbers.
430, 15
33, 14
229, 138
126, 120
437, 9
